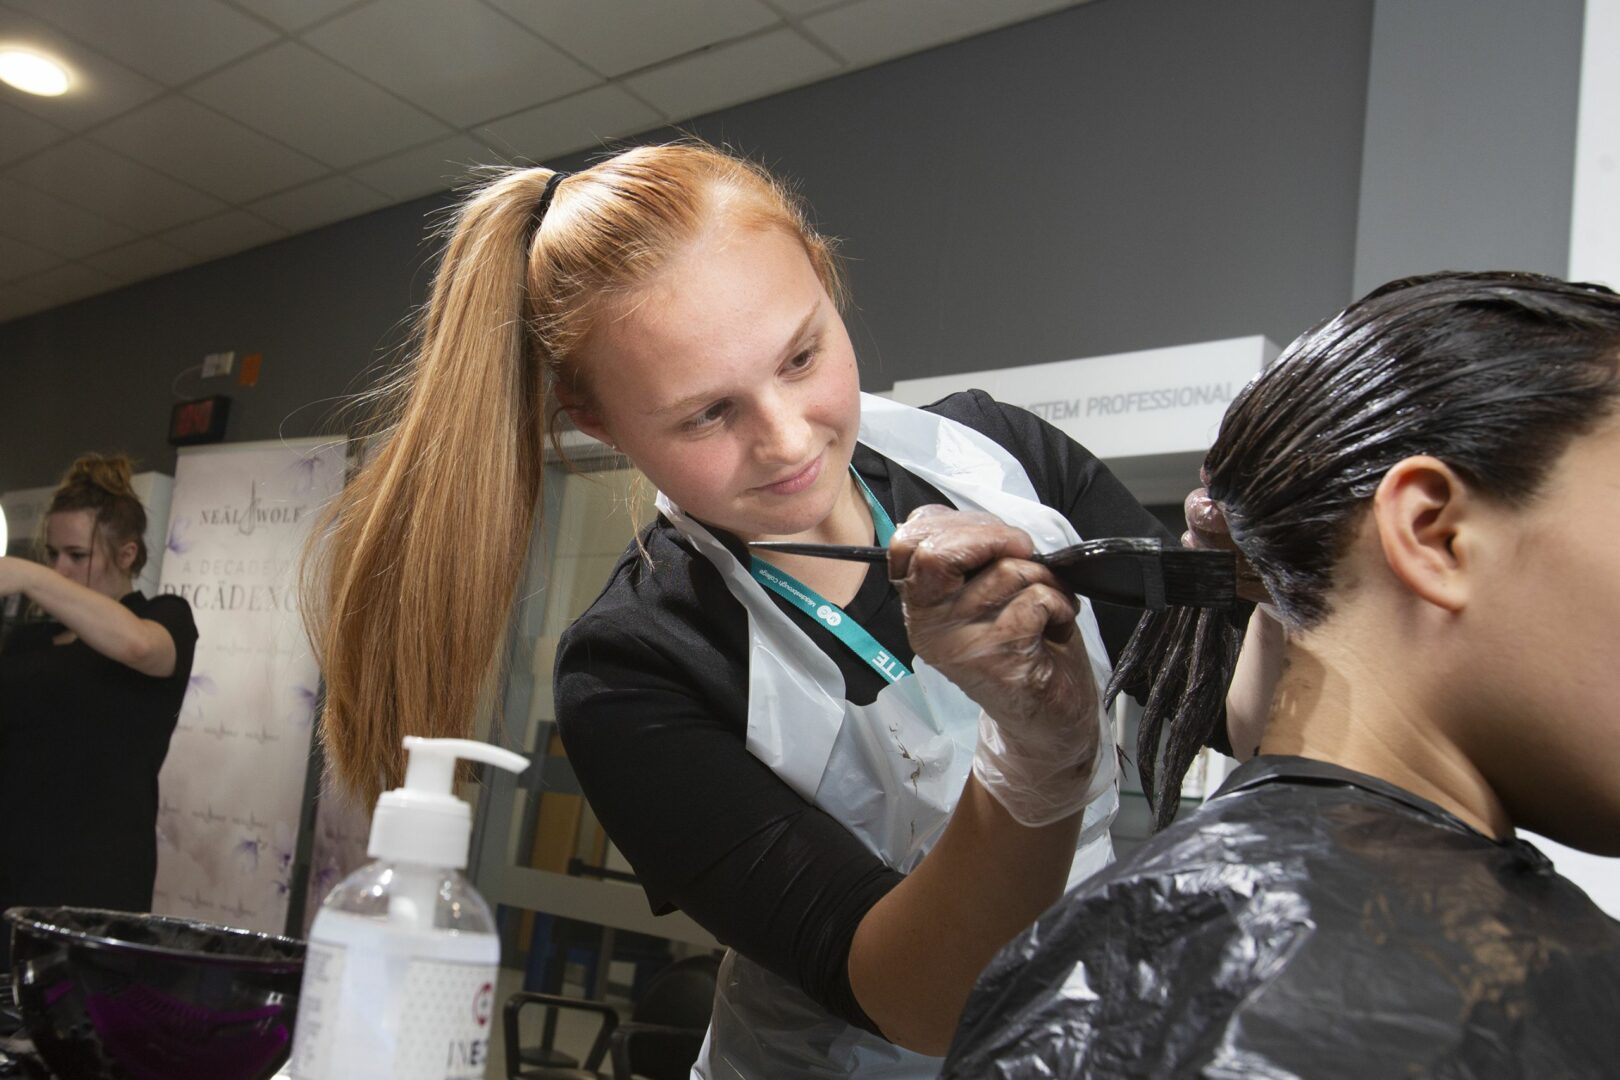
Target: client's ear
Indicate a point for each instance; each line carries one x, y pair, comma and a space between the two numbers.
1421, 510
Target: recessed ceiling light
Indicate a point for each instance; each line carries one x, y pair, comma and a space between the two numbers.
32, 72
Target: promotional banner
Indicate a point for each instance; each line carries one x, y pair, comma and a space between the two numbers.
232, 787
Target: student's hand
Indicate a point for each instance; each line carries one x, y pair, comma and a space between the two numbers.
1002, 628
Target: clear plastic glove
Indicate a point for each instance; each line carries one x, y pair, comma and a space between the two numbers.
1207, 528
1002, 629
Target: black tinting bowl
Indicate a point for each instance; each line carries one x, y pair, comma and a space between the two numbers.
108, 994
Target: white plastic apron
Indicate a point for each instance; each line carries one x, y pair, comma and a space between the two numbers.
891, 771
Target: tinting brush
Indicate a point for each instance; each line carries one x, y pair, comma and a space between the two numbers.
1140, 572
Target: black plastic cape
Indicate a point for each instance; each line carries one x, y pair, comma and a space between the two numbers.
1307, 921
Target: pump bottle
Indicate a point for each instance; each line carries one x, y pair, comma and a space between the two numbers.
399, 979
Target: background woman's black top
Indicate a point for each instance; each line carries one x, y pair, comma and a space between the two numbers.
652, 703
81, 740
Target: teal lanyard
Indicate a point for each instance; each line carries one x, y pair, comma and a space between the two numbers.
830, 615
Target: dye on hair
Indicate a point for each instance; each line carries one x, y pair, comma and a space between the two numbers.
1492, 373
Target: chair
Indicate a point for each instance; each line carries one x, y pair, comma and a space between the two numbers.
660, 1041
555, 943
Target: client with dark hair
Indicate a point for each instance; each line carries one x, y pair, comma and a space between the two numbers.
1427, 485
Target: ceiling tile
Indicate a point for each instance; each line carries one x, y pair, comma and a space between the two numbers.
171, 41
232, 231
211, 151
317, 204
22, 133
94, 177
574, 123
45, 222
145, 258
313, 105
18, 260
630, 34
732, 73
463, 62
438, 166
17, 300
876, 30
798, 8
295, 14
373, 87
100, 87
70, 281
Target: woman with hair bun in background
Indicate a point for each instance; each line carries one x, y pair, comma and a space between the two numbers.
753, 733
88, 700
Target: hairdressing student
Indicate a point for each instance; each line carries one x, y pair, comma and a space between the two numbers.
754, 733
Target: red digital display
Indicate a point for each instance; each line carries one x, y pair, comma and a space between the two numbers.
199, 421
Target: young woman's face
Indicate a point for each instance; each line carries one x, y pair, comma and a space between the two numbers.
731, 383
73, 550
1547, 626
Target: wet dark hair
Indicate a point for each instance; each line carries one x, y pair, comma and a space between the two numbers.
1492, 373
104, 485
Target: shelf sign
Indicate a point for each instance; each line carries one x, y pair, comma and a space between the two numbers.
1127, 405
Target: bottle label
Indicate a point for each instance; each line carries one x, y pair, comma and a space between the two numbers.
363, 1014
444, 1019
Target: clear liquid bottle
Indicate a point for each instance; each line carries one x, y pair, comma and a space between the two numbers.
399, 979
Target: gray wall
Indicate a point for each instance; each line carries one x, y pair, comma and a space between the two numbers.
1469, 156
101, 373
1119, 175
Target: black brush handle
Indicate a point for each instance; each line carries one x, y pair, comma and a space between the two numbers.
1084, 552
846, 552
1130, 571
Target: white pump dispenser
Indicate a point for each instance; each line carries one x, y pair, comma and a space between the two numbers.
399, 980
423, 822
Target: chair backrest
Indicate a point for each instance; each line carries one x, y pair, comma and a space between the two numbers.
681, 995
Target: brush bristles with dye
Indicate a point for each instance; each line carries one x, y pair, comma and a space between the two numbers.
1146, 573
1194, 578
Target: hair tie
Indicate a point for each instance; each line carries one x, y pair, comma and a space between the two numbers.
545, 199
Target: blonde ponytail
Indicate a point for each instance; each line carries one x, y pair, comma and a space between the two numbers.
421, 557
